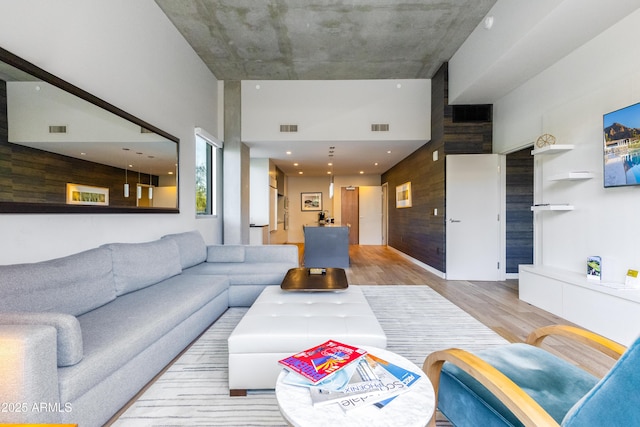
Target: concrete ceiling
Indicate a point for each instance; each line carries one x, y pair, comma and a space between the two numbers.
325, 39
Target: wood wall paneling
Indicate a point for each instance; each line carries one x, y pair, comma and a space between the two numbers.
416, 231
519, 198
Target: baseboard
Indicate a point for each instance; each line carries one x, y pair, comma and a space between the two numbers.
421, 264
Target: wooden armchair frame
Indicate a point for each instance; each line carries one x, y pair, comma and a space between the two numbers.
527, 410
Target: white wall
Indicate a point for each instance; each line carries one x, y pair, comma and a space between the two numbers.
568, 100
129, 54
342, 110
297, 217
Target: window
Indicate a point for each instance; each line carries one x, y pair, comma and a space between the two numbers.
206, 173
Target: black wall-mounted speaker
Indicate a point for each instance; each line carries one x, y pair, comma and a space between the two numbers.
472, 113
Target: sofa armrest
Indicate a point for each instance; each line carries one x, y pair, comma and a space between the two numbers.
69, 348
29, 373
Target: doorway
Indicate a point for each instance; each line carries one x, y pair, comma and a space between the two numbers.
350, 212
473, 225
518, 202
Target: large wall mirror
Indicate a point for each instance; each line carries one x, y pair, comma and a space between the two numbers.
63, 150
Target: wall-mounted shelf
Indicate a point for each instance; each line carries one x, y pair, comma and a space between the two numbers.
571, 176
550, 207
552, 149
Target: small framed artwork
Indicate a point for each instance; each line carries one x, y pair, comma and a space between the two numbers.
87, 195
311, 201
403, 195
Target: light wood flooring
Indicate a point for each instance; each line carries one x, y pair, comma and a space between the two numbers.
495, 304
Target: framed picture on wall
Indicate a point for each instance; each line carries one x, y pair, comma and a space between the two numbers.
87, 195
311, 201
403, 195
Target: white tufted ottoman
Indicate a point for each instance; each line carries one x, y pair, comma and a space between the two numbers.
281, 323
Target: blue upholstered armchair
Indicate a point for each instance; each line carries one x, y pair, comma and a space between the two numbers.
524, 385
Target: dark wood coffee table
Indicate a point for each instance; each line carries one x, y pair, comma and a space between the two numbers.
315, 279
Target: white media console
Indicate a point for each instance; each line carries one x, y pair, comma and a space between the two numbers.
605, 309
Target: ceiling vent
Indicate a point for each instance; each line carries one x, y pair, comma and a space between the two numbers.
288, 128
380, 127
57, 129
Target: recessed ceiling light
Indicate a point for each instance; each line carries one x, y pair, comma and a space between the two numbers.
288, 153
295, 164
361, 172
488, 22
328, 172
389, 152
375, 164
300, 172
329, 164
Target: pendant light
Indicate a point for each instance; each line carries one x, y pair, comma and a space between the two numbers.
331, 155
150, 182
138, 187
126, 180
150, 188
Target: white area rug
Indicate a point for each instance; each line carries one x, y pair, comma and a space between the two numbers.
194, 391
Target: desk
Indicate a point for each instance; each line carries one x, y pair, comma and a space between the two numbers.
413, 408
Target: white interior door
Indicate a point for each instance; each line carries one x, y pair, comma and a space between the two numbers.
473, 217
370, 232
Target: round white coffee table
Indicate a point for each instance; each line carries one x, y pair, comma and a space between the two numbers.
412, 408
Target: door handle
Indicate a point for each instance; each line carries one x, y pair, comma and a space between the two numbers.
454, 220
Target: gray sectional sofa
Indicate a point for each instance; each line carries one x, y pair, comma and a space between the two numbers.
81, 335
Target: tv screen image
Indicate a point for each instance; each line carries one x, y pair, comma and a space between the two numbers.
622, 147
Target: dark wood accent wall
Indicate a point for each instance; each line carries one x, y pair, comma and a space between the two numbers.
519, 198
29, 175
416, 231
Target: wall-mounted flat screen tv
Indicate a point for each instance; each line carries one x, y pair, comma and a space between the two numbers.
622, 147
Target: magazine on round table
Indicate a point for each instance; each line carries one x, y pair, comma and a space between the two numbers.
376, 381
319, 363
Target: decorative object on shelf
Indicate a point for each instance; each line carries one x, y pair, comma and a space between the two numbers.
311, 201
632, 280
545, 139
403, 195
594, 268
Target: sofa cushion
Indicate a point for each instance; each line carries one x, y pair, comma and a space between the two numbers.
69, 336
192, 247
225, 253
138, 265
116, 333
73, 285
